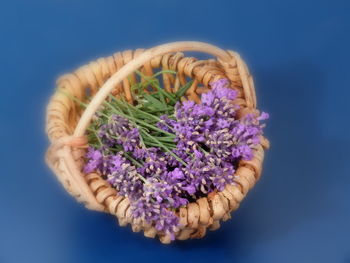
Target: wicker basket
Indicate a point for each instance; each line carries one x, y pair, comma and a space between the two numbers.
67, 123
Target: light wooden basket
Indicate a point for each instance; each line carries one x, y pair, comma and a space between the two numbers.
67, 123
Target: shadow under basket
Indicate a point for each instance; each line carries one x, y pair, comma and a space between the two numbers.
67, 124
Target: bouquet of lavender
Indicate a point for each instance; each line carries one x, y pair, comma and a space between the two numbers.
163, 151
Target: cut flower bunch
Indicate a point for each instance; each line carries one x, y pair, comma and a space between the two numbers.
163, 151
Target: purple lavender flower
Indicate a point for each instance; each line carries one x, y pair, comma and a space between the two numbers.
206, 174
264, 116
208, 98
166, 123
95, 160
210, 141
152, 212
154, 163
158, 197
119, 132
123, 176
221, 90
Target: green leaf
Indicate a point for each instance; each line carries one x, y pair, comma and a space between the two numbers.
164, 72
159, 105
183, 89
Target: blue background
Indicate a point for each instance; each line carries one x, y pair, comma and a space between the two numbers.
298, 52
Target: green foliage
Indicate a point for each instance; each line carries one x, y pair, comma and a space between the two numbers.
150, 101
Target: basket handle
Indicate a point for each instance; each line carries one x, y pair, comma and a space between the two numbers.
133, 65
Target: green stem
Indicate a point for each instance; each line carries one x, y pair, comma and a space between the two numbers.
203, 151
164, 139
166, 94
164, 71
141, 139
121, 113
155, 82
157, 145
128, 156
96, 135
149, 125
128, 105
157, 110
165, 148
